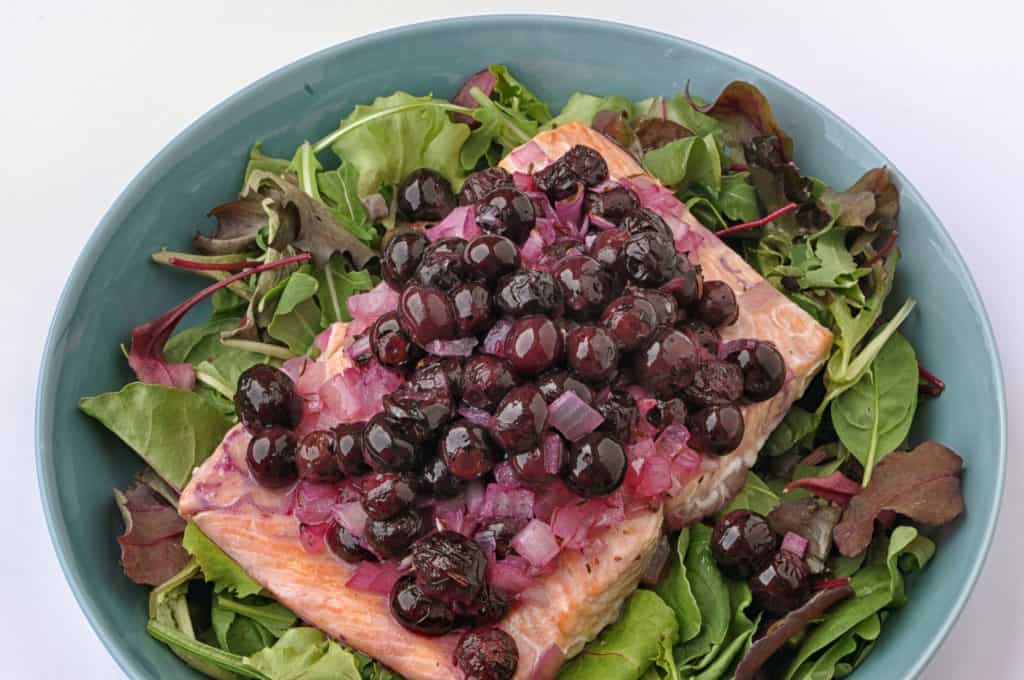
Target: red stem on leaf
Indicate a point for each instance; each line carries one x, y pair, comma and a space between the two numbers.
936, 386
738, 167
689, 100
885, 249
736, 228
209, 266
832, 583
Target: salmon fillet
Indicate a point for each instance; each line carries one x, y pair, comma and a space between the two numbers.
765, 314
550, 622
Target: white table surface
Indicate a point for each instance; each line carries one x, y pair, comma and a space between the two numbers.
90, 91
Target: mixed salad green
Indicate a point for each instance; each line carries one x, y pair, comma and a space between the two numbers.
302, 237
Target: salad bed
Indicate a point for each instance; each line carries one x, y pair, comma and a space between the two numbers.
301, 239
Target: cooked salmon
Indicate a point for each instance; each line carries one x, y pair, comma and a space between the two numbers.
560, 612
765, 314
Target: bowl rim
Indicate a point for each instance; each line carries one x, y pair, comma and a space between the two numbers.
45, 469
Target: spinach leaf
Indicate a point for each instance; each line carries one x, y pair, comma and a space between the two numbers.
515, 96
674, 589
583, 107
755, 495
335, 283
305, 654
247, 627
741, 633
687, 160
829, 664
339, 192
796, 431
173, 430
390, 141
296, 320
218, 569
711, 593
873, 417
705, 210
643, 634
737, 198
272, 615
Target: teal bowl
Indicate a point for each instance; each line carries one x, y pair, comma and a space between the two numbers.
114, 286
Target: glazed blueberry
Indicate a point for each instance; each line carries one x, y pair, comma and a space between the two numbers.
348, 448
685, 285
592, 353
467, 450
586, 287
649, 258
717, 306
557, 180
586, 164
666, 366
715, 383
271, 457
529, 465
490, 607
440, 480
342, 543
390, 344
483, 182
424, 196
266, 397
764, 370
441, 265
449, 567
743, 543
490, 256
316, 457
533, 345
528, 291
520, 419
554, 383
702, 335
607, 250
597, 465
666, 413
645, 219
499, 532
386, 446
613, 204
783, 585
507, 212
422, 404
472, 304
450, 368
402, 256
486, 379
391, 538
665, 305
715, 429
619, 412
630, 320
417, 612
487, 654
385, 494
426, 315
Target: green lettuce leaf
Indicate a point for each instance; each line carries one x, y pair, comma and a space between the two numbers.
513, 95
296, 320
582, 108
643, 635
335, 283
794, 432
305, 654
386, 149
755, 495
172, 430
339, 191
737, 198
674, 589
711, 593
218, 569
719, 662
687, 160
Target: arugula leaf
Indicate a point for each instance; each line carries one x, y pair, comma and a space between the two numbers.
305, 654
498, 125
173, 430
674, 589
305, 167
218, 569
339, 192
260, 162
873, 417
755, 495
711, 593
687, 160
513, 95
830, 265
643, 634
583, 107
387, 148
335, 283
296, 320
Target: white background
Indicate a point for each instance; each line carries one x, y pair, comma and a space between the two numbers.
90, 91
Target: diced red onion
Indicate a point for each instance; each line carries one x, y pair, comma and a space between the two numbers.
688, 240
570, 213
477, 416
571, 522
552, 495
461, 347
475, 497
352, 516
572, 416
685, 466
509, 575
312, 536
601, 223
640, 449
323, 339
527, 158
533, 248
655, 477
602, 396
376, 206
502, 501
494, 342
372, 304
360, 350
307, 374
652, 574
795, 543
450, 513
485, 81
314, 502
553, 447
358, 392
505, 474
672, 441
536, 543
643, 426
460, 223
374, 577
